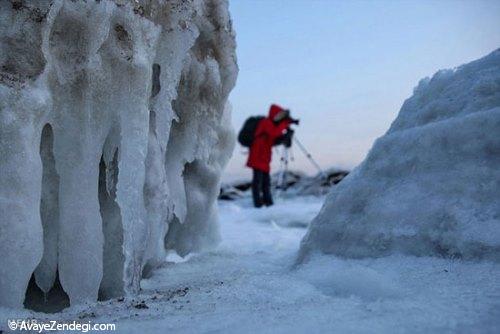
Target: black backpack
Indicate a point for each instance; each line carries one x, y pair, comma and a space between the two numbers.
247, 132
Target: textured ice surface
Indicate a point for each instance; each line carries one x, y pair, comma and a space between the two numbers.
248, 284
431, 184
113, 128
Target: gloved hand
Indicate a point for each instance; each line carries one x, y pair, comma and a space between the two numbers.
294, 121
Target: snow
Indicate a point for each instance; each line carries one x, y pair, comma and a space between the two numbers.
114, 131
430, 186
251, 283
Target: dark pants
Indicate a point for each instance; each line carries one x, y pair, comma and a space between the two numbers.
261, 189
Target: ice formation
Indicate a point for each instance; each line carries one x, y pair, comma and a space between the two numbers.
288, 184
114, 131
431, 185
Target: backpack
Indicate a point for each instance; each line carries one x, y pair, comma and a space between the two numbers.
247, 132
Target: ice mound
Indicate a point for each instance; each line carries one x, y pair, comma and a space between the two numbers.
114, 130
431, 185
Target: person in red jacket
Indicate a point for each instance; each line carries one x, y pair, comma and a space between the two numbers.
269, 129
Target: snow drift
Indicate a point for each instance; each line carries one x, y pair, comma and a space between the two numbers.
114, 132
431, 185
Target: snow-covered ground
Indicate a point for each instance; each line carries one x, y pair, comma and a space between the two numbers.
250, 284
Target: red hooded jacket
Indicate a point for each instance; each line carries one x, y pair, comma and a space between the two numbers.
266, 133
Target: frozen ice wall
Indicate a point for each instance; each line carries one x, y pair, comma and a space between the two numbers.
114, 130
431, 185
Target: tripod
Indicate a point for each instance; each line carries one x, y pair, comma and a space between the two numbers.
285, 157
284, 169
309, 156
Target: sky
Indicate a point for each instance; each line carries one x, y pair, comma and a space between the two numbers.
344, 68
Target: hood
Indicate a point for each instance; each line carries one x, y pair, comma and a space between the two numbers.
274, 110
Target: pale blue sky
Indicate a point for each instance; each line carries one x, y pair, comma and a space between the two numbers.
345, 67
